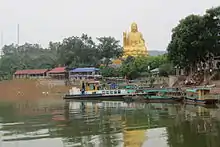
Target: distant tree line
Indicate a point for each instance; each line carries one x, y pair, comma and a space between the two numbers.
132, 68
78, 52
71, 52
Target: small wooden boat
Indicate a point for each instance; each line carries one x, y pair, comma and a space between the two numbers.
200, 96
163, 95
178, 95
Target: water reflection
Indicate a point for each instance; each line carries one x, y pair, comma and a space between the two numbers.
92, 124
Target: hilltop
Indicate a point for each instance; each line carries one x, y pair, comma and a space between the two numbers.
156, 52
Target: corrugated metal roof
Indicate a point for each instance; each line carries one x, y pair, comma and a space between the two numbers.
58, 70
86, 69
155, 70
30, 71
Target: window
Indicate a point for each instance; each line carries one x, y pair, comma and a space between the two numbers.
115, 92
91, 86
107, 104
111, 92
119, 91
119, 104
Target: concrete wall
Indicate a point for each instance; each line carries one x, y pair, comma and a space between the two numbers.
172, 80
158, 80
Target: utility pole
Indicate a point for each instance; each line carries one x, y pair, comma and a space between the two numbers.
18, 35
1, 53
218, 25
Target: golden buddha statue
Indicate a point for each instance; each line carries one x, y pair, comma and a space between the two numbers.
133, 43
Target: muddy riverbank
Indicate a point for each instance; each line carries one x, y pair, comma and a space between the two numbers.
31, 89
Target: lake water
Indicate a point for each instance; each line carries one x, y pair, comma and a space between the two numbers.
56, 123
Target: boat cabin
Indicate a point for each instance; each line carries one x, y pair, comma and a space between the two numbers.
176, 94
197, 93
155, 91
112, 92
131, 87
90, 85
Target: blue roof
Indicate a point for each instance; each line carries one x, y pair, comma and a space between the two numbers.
87, 69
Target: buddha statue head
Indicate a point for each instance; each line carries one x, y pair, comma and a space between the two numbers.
134, 27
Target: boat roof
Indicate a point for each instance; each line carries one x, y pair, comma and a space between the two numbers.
160, 90
131, 86
198, 89
91, 82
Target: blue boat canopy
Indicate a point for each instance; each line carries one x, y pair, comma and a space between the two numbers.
87, 69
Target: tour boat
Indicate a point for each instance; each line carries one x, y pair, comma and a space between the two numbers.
76, 93
92, 90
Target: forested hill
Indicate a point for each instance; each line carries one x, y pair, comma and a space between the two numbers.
156, 52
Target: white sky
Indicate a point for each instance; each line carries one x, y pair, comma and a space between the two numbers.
42, 21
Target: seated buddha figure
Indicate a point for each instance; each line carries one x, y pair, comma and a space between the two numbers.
133, 43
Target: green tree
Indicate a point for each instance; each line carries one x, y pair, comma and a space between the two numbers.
72, 52
155, 61
128, 68
195, 39
27, 56
109, 48
141, 66
166, 69
186, 46
212, 22
110, 72
78, 51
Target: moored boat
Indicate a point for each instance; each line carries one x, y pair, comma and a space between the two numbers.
200, 96
76, 93
92, 91
163, 95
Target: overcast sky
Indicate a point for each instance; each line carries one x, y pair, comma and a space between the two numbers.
42, 21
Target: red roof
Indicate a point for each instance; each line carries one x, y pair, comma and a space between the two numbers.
58, 70
30, 71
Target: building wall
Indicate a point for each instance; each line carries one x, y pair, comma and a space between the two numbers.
84, 75
30, 76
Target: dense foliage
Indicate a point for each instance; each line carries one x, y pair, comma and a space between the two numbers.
195, 40
132, 68
77, 52
71, 52
27, 56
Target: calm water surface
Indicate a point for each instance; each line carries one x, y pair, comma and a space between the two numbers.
56, 123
